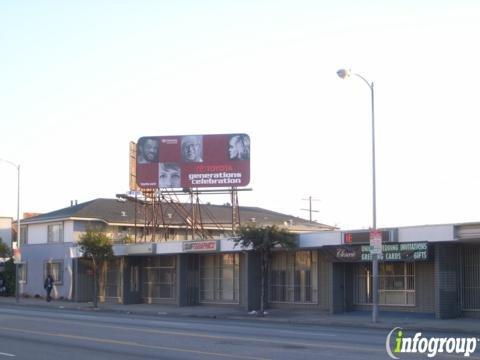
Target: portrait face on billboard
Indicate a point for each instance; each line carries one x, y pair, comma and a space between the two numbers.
192, 148
169, 175
239, 147
191, 161
147, 150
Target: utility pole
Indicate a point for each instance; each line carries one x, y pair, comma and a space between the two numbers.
310, 210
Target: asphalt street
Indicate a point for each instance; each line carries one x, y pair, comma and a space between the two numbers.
53, 334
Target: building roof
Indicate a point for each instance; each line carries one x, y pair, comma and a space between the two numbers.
127, 211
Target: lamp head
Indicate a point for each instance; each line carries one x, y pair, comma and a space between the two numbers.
343, 73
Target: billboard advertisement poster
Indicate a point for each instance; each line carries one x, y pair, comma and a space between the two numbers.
191, 161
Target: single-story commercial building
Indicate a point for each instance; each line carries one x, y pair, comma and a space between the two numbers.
428, 269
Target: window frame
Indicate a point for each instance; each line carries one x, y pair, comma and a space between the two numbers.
61, 233
363, 288
23, 235
56, 281
23, 265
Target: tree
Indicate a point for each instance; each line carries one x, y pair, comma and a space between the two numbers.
263, 240
8, 274
4, 250
97, 246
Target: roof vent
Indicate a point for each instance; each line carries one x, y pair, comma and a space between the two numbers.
253, 219
123, 213
169, 215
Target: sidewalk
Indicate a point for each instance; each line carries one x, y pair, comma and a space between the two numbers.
387, 320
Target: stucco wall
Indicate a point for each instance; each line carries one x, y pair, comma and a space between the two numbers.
35, 257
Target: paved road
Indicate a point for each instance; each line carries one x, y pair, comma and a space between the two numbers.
56, 334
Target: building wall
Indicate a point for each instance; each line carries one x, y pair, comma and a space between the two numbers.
35, 257
434, 233
68, 233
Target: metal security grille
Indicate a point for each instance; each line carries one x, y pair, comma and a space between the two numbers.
159, 278
293, 277
471, 278
110, 281
219, 278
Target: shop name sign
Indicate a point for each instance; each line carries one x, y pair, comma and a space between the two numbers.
417, 251
398, 252
195, 246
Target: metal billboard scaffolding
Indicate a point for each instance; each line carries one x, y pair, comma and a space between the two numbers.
161, 215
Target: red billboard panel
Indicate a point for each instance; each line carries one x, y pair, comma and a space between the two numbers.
191, 161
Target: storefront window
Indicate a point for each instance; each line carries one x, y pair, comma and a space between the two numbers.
396, 283
159, 278
293, 277
219, 278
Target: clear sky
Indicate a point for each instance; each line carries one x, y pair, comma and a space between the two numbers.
80, 80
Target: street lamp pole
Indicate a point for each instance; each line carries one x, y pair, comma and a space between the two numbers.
343, 73
17, 288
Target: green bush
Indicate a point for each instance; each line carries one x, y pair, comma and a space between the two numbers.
9, 276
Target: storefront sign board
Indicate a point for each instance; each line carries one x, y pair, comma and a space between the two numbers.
415, 251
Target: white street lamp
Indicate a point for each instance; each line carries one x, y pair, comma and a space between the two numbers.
17, 287
343, 74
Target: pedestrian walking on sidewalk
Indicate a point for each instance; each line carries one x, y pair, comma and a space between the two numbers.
48, 286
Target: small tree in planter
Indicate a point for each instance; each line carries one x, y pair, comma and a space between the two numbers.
97, 246
263, 240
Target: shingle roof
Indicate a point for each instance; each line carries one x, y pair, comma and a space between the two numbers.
114, 211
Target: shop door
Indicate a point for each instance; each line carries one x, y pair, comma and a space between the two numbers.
84, 281
338, 289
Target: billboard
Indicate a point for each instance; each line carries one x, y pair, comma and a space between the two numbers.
190, 161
